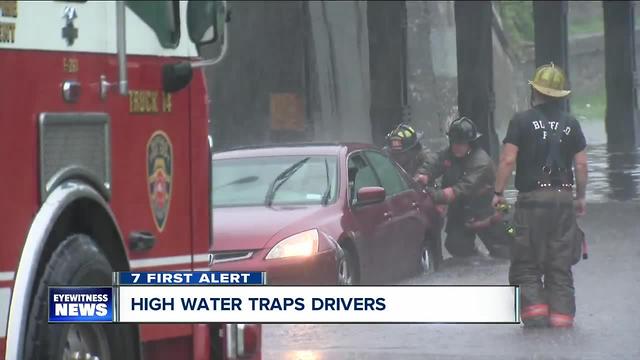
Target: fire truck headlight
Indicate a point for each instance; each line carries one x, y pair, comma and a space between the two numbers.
301, 244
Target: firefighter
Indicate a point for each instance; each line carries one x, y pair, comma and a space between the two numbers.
403, 145
468, 175
542, 143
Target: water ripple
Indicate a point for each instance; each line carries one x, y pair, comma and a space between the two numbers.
613, 175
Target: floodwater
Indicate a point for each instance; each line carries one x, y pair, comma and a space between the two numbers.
605, 328
614, 175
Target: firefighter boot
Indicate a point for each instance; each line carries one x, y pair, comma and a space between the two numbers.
560, 293
460, 242
564, 251
526, 273
535, 316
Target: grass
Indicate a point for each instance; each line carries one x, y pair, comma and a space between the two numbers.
591, 106
590, 27
517, 18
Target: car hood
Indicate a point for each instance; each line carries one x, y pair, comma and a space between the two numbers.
251, 228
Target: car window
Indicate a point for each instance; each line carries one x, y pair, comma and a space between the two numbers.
389, 175
360, 175
161, 17
246, 181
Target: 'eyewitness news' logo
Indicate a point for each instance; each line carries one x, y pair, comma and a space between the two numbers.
80, 304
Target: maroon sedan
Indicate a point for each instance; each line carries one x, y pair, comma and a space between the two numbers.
320, 214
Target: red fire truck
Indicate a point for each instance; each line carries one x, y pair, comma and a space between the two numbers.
106, 167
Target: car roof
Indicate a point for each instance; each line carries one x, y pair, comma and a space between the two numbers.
311, 148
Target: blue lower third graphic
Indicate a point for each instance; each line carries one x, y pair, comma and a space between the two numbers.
81, 304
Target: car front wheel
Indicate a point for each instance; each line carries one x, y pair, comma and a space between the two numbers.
427, 258
346, 268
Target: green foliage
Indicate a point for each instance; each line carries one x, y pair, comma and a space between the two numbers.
593, 27
586, 26
517, 19
591, 106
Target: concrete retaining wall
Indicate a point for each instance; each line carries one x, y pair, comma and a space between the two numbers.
298, 71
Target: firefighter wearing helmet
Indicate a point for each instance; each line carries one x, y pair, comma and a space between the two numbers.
468, 175
403, 145
543, 143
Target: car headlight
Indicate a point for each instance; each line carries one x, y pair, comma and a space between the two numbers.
301, 244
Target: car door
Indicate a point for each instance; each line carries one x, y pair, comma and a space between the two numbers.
407, 224
151, 146
372, 222
151, 140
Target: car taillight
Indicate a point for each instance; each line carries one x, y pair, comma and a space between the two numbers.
242, 340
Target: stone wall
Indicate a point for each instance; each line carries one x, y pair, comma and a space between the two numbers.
299, 71
432, 72
586, 64
259, 91
432, 69
507, 79
340, 71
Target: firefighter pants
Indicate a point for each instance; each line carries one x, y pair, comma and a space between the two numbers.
460, 241
548, 242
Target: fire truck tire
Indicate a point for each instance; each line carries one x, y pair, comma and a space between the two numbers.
76, 261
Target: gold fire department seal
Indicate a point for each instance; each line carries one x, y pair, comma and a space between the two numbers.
159, 176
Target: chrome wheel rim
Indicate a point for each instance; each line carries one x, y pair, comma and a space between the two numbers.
344, 272
86, 342
425, 260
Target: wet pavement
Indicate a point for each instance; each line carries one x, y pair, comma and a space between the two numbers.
607, 322
607, 288
614, 174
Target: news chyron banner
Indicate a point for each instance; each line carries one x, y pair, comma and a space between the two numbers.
242, 297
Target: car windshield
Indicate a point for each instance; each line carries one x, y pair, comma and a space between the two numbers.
247, 181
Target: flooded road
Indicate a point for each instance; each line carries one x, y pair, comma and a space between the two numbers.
607, 326
614, 174
607, 285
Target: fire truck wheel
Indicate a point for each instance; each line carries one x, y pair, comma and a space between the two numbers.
76, 262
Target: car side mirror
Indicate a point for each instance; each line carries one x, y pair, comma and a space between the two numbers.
370, 195
176, 77
206, 23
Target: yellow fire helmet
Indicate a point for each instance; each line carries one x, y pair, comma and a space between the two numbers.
550, 80
403, 138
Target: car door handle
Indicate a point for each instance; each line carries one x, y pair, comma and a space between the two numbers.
141, 241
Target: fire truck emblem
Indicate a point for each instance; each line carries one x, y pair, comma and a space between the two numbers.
69, 32
159, 175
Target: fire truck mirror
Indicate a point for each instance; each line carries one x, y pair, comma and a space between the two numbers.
176, 76
205, 21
